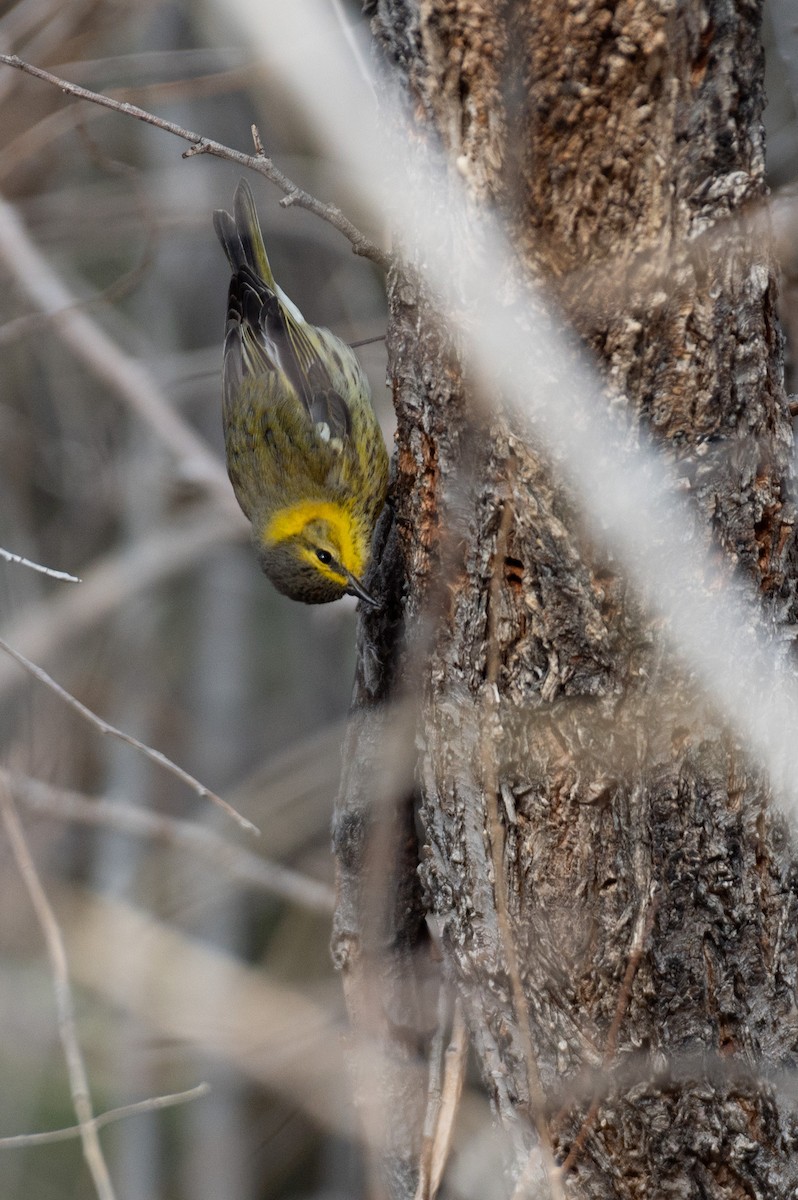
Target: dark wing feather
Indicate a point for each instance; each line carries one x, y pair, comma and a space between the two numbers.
227, 234
264, 337
270, 339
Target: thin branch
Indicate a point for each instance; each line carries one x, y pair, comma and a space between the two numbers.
369, 341
424, 1189
241, 864
47, 626
447, 1073
454, 1065
154, 1104
153, 755
76, 1067
640, 935
355, 46
294, 195
26, 562
45, 288
36, 139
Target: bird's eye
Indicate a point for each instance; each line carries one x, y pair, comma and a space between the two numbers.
324, 556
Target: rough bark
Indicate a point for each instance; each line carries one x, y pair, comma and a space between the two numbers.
650, 920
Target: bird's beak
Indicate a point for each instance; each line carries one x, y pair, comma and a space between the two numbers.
356, 589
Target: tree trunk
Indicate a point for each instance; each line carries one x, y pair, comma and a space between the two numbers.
611, 889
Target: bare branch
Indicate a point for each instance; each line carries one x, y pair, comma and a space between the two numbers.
241, 864
45, 288
154, 755
424, 1190
76, 1068
454, 1065
26, 562
202, 145
115, 578
447, 1073
154, 1104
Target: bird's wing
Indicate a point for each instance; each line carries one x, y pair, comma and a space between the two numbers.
264, 339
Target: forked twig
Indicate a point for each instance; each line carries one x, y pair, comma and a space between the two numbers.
202, 145
153, 1104
104, 727
242, 865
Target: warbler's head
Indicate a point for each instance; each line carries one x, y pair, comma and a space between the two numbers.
314, 552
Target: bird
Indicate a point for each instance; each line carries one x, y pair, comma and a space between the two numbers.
305, 452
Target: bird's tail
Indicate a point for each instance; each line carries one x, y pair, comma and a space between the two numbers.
241, 235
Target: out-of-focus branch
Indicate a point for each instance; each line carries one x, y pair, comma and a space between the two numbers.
202, 145
128, 378
47, 627
188, 990
154, 1104
244, 866
76, 1067
104, 727
354, 44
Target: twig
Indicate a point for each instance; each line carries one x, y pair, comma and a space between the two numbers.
76, 1067
154, 1104
154, 755
26, 562
453, 1078
367, 341
118, 577
537, 1098
445, 1085
259, 162
242, 864
424, 1189
640, 935
35, 140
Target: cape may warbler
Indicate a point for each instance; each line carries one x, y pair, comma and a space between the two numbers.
305, 453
